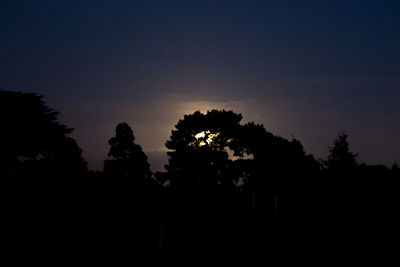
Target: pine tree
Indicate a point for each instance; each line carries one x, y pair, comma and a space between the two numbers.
340, 157
127, 162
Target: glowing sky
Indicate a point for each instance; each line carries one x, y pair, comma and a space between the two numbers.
306, 69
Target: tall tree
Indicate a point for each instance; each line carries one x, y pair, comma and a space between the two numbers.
127, 162
340, 157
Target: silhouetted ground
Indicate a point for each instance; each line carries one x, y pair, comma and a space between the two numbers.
110, 222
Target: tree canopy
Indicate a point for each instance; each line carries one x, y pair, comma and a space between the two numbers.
127, 162
340, 157
214, 148
198, 148
34, 145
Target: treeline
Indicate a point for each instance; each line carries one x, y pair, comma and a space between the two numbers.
228, 188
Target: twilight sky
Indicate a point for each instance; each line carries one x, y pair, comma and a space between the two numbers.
306, 69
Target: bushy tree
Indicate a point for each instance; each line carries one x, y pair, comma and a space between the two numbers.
197, 147
34, 145
273, 158
200, 144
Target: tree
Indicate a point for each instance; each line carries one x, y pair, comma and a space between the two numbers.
395, 169
214, 151
200, 143
127, 162
197, 145
34, 145
273, 158
340, 157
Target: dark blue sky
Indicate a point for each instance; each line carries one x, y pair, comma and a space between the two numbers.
306, 69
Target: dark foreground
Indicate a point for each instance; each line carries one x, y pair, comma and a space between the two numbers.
110, 223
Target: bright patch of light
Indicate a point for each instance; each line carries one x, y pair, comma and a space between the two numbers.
211, 137
200, 136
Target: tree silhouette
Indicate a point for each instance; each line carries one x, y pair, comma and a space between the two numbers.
34, 145
204, 210
198, 145
395, 167
340, 157
273, 157
127, 162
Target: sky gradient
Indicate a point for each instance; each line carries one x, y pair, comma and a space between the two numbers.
307, 69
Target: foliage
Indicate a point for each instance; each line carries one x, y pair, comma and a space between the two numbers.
34, 145
340, 157
127, 162
200, 144
197, 148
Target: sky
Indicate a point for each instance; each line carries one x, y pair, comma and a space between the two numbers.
303, 69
